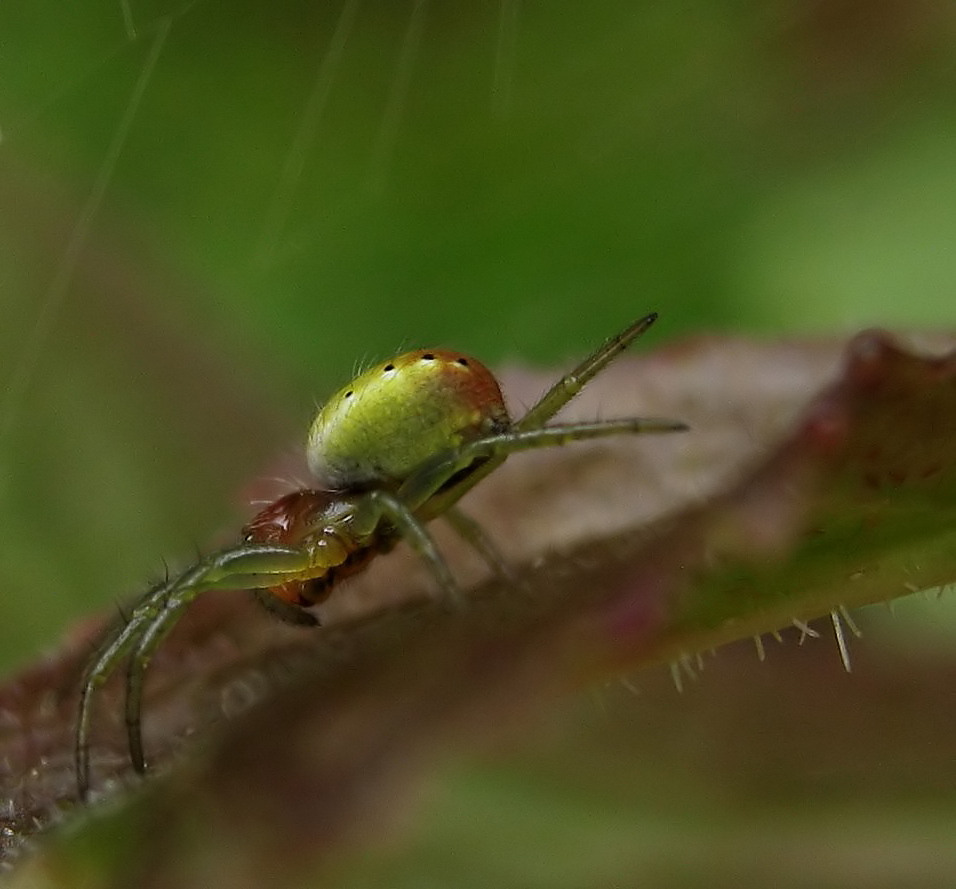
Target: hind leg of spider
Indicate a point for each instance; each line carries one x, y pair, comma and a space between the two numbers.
284, 611
474, 535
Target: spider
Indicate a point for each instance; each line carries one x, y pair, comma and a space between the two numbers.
394, 449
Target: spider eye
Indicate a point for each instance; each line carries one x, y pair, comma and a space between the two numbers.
388, 367
428, 357
348, 394
463, 362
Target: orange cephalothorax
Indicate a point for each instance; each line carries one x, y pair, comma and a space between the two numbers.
299, 518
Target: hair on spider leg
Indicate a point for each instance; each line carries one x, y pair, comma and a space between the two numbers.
197, 556
158, 577
124, 607
123, 613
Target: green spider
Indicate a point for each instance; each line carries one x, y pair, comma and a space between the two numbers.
391, 451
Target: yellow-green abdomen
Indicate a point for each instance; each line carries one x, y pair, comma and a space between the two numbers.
393, 417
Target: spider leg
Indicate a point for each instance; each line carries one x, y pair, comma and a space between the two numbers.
251, 566
553, 400
248, 566
424, 488
284, 611
379, 504
574, 381
156, 629
474, 535
118, 641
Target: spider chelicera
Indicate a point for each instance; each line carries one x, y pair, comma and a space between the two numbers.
391, 451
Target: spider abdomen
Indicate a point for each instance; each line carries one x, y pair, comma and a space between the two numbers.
393, 417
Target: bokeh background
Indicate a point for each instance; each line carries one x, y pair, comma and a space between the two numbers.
211, 213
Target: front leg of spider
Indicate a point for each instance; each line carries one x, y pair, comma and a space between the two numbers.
244, 567
396, 448
156, 612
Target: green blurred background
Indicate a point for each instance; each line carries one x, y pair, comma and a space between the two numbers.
209, 212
